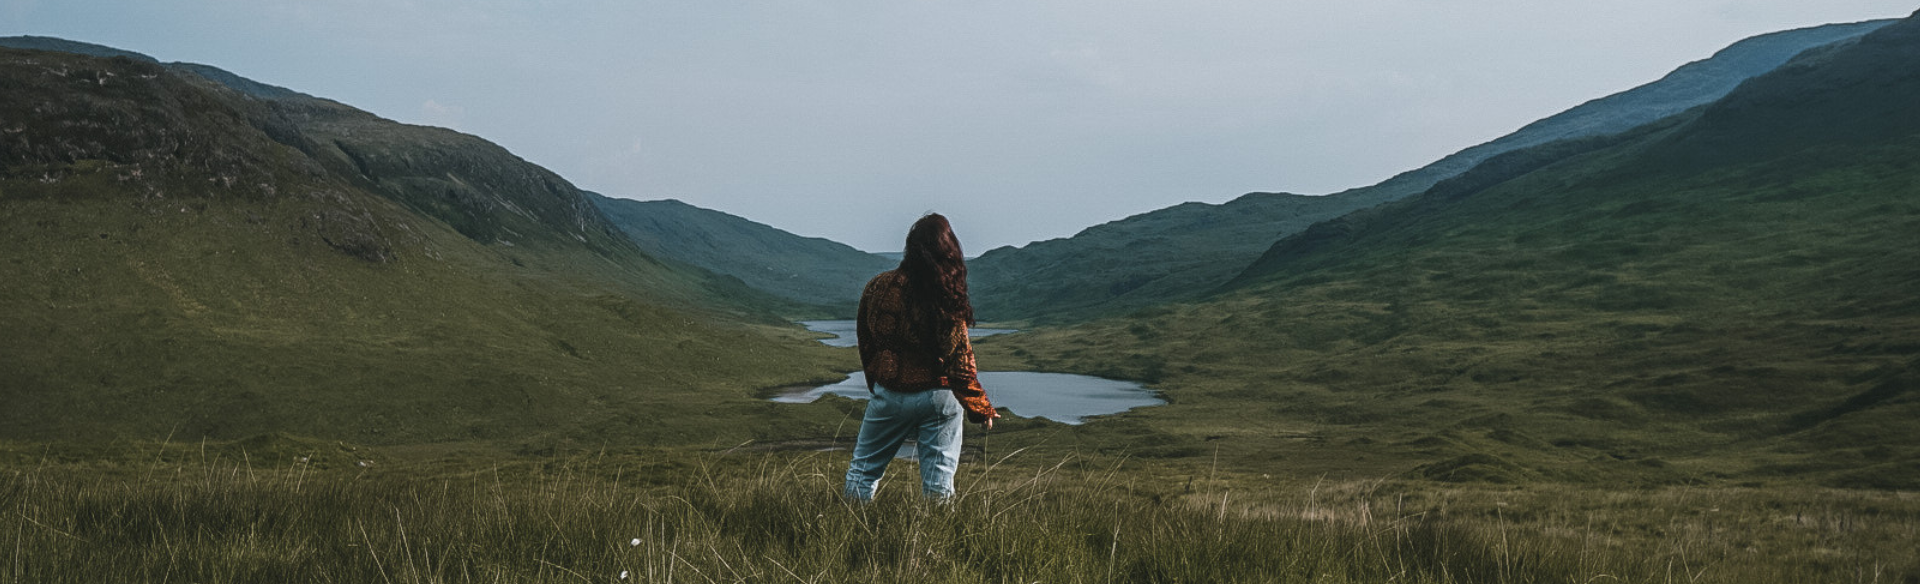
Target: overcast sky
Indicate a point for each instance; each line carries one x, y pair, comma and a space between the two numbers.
1020, 120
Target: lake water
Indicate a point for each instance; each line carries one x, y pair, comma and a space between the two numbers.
1061, 397
844, 335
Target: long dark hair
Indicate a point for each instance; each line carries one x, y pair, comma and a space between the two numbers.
936, 274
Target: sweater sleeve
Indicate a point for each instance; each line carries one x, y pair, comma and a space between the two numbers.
960, 369
963, 377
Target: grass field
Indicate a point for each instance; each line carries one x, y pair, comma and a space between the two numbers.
221, 512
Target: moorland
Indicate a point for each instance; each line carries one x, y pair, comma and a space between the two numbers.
255, 335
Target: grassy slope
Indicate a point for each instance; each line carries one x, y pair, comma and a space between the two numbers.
802, 269
1688, 86
177, 262
1729, 296
1183, 252
1172, 253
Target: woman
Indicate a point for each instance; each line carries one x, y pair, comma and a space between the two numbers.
919, 365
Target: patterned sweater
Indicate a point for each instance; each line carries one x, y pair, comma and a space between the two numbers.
892, 352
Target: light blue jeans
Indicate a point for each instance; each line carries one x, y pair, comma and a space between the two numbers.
932, 418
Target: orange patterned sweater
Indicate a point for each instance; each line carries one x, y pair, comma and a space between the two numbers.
892, 354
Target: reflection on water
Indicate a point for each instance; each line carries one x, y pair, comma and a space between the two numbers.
1061, 397
846, 337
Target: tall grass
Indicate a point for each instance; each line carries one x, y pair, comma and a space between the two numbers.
699, 517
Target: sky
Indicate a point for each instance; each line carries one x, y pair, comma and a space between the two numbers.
1020, 120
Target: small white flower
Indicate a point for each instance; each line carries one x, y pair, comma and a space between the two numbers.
623, 573
634, 543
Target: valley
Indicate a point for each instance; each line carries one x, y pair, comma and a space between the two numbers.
1670, 334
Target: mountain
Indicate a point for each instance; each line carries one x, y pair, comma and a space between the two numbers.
1151, 258
1184, 251
803, 269
60, 45
1690, 85
186, 253
1727, 293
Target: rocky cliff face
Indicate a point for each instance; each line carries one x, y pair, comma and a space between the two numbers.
132, 128
481, 189
204, 119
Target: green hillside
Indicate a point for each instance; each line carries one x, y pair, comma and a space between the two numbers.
1688, 86
1727, 294
180, 258
1173, 253
809, 270
1185, 251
